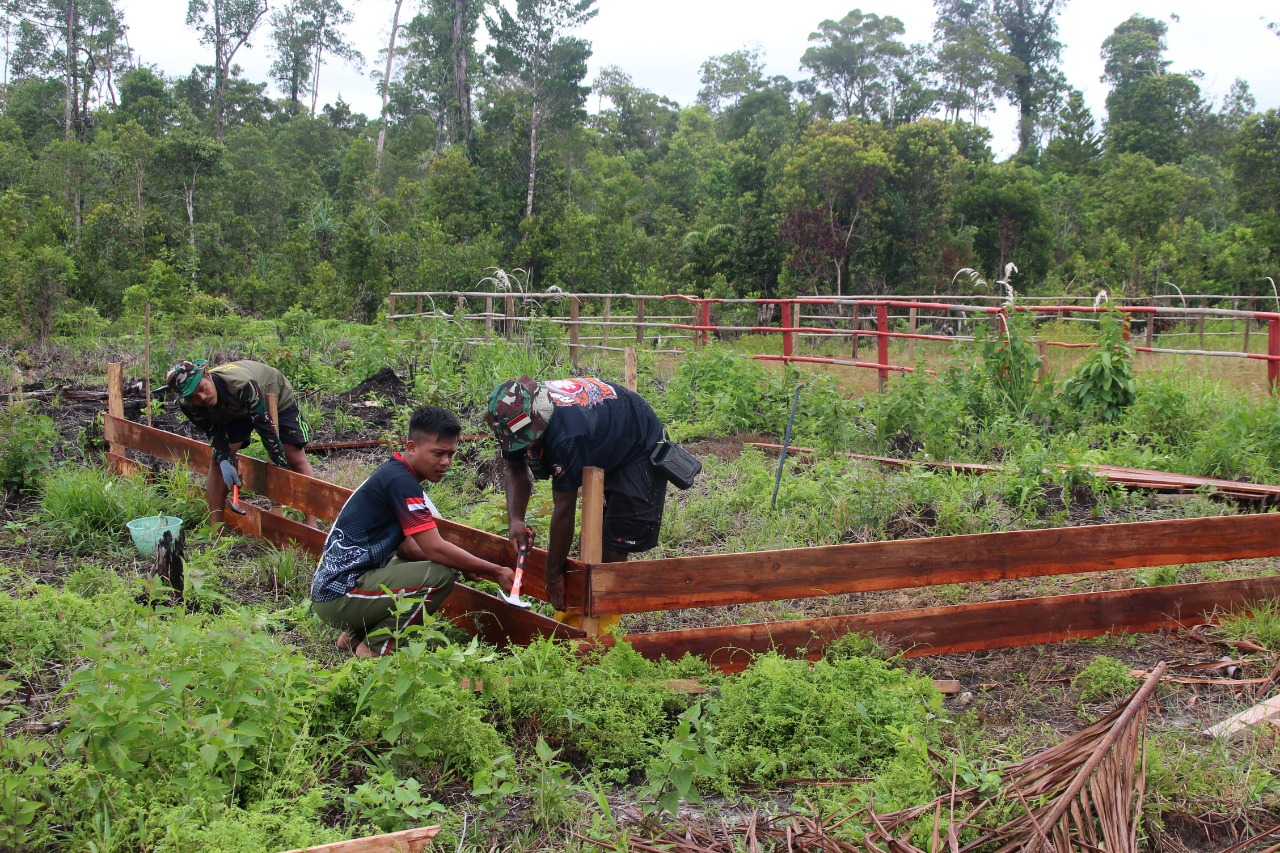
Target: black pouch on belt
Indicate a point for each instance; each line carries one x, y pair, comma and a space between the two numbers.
678, 465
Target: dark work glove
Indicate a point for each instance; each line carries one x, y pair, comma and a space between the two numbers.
230, 475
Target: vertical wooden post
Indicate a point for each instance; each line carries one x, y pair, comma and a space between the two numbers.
704, 320
639, 322
911, 342
857, 318
1248, 321
391, 311
788, 339
1151, 324
882, 343
1200, 328
1042, 350
418, 306
115, 400
608, 305
488, 314
508, 327
273, 410
591, 537
1273, 350
574, 307
146, 361
631, 372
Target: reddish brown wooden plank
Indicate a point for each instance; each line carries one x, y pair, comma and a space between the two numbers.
968, 627
496, 622
325, 500
676, 583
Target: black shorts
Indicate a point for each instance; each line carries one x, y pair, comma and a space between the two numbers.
293, 429
633, 501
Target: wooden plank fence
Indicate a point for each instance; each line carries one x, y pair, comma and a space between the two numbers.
606, 589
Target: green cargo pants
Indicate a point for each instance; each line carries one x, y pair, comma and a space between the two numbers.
372, 611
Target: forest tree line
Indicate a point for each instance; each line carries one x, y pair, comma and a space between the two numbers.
873, 174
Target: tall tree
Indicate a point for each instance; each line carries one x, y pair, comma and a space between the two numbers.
1076, 147
226, 26
533, 51
730, 77
80, 41
385, 88
302, 32
972, 66
855, 59
1030, 31
1149, 111
1135, 49
828, 191
440, 52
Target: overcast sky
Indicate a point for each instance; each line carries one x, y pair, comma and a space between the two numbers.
662, 44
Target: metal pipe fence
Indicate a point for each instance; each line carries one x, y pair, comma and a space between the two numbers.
878, 320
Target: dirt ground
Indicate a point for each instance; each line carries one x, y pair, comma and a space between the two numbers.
1022, 696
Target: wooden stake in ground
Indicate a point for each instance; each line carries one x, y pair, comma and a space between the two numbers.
146, 361
115, 400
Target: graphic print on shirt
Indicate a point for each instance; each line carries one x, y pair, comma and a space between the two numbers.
578, 392
340, 560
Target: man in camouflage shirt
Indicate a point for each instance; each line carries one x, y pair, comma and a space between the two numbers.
227, 403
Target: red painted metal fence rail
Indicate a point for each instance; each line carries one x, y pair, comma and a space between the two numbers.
699, 325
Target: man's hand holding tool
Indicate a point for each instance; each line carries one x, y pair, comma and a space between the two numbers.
522, 552
231, 477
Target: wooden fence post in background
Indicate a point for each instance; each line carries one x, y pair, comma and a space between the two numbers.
857, 318
639, 322
630, 372
591, 537
911, 342
607, 311
508, 327
574, 308
704, 320
882, 343
488, 314
391, 311
1200, 327
115, 400
1151, 323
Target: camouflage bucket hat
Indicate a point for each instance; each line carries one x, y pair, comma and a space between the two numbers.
519, 410
184, 377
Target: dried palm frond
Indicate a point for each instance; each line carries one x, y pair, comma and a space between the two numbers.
1085, 794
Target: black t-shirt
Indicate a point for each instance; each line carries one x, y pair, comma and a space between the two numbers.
593, 423
386, 509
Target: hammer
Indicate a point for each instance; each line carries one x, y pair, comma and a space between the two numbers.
522, 551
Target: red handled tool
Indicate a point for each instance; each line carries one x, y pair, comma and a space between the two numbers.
522, 551
235, 501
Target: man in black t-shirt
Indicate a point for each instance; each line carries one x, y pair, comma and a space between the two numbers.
555, 429
385, 546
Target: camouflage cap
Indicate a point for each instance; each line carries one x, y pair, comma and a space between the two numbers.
519, 411
184, 377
